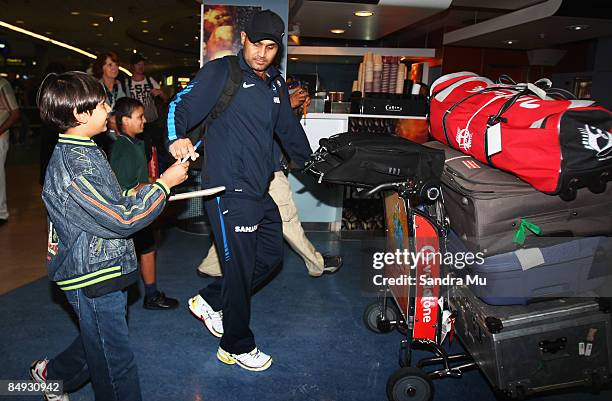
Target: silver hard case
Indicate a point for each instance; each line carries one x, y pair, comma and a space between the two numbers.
537, 347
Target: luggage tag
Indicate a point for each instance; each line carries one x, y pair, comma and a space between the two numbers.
493, 138
530, 257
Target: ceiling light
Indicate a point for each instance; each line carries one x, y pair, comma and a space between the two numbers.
98, 34
337, 31
157, 53
160, 39
111, 19
134, 51
2, 45
115, 43
510, 42
20, 21
293, 58
363, 13
95, 24
144, 21
74, 13
34, 62
145, 31
578, 27
48, 33
186, 44
54, 42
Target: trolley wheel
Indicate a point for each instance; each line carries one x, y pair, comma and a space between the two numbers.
373, 321
409, 384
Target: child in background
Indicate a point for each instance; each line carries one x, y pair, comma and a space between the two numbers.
88, 253
129, 162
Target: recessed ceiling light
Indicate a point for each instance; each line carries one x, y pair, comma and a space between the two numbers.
115, 44
111, 19
74, 13
578, 27
160, 39
144, 21
20, 21
134, 51
98, 34
293, 58
157, 53
363, 13
48, 33
2, 45
34, 62
145, 31
95, 24
186, 44
510, 41
337, 31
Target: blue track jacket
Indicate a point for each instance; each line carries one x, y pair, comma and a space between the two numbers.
239, 143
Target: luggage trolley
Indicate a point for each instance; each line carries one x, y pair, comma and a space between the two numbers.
415, 310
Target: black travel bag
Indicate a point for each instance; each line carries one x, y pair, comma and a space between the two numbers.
368, 160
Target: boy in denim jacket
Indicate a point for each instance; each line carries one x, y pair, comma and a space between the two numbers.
89, 255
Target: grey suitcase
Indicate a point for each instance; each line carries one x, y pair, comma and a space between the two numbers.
486, 207
539, 347
563, 269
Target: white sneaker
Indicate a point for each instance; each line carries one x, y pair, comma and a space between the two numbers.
255, 360
38, 373
203, 311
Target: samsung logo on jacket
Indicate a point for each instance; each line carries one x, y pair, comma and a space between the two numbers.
246, 229
238, 145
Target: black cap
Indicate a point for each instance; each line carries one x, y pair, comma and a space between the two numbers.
265, 25
136, 58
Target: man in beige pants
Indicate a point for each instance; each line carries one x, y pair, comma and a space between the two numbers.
280, 191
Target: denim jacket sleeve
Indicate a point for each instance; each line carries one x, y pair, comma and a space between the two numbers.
101, 211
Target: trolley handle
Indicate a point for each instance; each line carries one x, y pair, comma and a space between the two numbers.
366, 194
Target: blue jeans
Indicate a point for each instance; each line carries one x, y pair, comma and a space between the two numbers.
101, 353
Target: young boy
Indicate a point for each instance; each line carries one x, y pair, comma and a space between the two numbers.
88, 255
129, 162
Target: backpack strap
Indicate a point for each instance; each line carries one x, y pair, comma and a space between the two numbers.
229, 90
232, 84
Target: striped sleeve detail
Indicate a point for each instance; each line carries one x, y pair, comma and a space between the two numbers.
163, 186
101, 205
172, 109
130, 192
91, 278
123, 208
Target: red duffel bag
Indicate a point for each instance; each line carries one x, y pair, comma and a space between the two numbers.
555, 143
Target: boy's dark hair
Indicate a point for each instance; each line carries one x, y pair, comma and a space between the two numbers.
124, 107
60, 94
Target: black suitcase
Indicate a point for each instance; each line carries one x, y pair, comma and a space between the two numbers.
538, 347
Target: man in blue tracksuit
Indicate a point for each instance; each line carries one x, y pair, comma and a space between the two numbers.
239, 155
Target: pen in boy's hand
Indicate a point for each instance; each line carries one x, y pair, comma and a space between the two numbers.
195, 147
